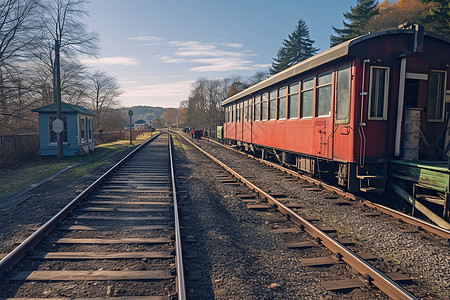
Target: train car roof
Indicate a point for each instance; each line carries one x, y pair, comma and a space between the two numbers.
336, 52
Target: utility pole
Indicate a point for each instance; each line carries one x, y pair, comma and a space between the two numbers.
59, 141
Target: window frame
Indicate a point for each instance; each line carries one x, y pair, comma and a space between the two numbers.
316, 92
386, 93
272, 101
279, 98
52, 137
266, 97
82, 129
311, 89
288, 102
257, 105
444, 88
347, 119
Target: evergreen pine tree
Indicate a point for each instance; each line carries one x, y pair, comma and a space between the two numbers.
439, 17
358, 17
297, 47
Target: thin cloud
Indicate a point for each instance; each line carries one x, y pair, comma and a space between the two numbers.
161, 90
145, 38
226, 64
113, 60
233, 45
210, 57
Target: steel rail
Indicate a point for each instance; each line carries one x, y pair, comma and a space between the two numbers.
181, 289
20, 251
367, 271
439, 231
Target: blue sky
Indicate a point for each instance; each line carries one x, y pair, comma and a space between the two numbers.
156, 49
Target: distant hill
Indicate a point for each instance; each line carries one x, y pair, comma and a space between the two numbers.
147, 113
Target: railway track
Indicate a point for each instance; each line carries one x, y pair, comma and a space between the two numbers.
119, 238
437, 230
262, 199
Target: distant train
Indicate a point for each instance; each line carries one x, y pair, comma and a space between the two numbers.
350, 109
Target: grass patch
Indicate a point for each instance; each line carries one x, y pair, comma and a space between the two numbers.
178, 143
13, 181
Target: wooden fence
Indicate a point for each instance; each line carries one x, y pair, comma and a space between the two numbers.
25, 147
18, 148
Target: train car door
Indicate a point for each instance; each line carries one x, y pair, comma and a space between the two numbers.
323, 122
343, 135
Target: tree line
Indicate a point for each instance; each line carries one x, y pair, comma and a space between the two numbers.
203, 108
29, 31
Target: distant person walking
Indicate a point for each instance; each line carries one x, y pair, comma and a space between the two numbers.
192, 133
197, 134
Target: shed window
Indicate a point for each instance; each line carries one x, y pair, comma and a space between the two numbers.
324, 89
53, 138
307, 100
264, 106
273, 105
343, 95
82, 129
90, 128
293, 100
257, 108
379, 88
436, 92
282, 102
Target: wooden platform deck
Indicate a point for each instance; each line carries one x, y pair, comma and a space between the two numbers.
433, 175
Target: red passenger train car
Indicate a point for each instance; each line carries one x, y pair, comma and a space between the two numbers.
350, 109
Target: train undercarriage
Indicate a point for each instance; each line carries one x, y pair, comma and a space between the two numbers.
369, 176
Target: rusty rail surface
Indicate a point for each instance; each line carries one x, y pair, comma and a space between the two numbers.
439, 231
181, 289
20, 251
366, 270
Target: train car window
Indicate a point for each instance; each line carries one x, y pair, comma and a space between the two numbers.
307, 98
250, 109
246, 110
264, 98
379, 89
293, 100
343, 95
234, 113
282, 102
239, 112
436, 92
323, 90
257, 108
272, 105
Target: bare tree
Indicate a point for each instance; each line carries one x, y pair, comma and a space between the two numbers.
17, 34
205, 102
61, 21
103, 94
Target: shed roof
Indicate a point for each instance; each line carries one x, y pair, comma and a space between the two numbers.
65, 108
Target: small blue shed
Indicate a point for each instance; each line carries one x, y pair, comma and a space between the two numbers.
78, 135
